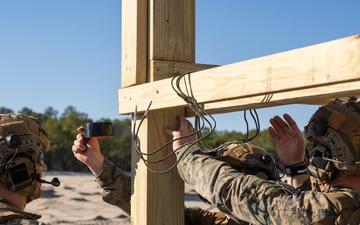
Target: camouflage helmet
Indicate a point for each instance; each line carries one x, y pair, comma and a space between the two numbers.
333, 133
22, 139
250, 159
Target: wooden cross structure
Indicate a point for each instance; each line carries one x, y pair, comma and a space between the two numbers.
158, 42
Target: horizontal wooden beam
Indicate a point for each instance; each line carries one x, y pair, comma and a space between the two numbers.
297, 76
315, 95
166, 69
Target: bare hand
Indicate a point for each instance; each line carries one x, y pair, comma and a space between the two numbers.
88, 152
290, 144
179, 136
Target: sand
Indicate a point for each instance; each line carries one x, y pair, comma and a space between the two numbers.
78, 201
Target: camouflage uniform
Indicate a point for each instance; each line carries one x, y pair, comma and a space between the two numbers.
116, 185
259, 201
11, 215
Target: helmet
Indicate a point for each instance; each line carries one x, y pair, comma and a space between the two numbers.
250, 159
333, 133
22, 139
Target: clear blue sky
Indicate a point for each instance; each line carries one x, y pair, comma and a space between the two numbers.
68, 53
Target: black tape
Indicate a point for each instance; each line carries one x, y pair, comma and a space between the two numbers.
99, 129
106, 129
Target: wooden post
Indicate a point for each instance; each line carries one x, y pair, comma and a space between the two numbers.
157, 198
157, 34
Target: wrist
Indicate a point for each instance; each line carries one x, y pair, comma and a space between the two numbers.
296, 169
97, 166
298, 180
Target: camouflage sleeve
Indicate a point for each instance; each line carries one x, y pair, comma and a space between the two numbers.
305, 186
18, 221
248, 197
116, 185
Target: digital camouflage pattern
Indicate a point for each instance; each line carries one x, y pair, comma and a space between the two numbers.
198, 216
249, 198
10, 215
116, 185
22, 222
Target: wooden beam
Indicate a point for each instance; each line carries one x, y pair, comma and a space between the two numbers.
165, 69
295, 74
313, 95
171, 33
172, 30
169, 36
157, 198
134, 42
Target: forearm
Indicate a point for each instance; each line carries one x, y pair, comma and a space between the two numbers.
297, 181
116, 185
217, 182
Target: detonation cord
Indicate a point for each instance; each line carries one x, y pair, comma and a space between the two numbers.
203, 119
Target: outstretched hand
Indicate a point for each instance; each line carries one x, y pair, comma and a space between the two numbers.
88, 152
290, 144
186, 129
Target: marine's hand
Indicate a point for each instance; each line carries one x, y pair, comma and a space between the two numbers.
185, 134
290, 144
87, 151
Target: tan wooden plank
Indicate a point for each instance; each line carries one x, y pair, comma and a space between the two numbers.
319, 65
166, 69
134, 42
157, 198
315, 95
172, 31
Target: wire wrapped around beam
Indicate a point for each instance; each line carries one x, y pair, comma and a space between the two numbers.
203, 119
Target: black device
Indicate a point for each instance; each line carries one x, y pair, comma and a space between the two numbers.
106, 129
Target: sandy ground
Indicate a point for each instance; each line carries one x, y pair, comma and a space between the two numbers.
78, 201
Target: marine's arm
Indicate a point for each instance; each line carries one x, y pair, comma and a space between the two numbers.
247, 197
116, 185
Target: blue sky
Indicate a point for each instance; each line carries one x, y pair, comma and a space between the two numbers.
68, 53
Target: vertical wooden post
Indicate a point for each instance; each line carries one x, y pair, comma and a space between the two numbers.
161, 31
171, 33
134, 44
157, 198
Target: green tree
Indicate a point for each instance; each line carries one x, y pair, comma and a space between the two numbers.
4, 110
29, 112
63, 132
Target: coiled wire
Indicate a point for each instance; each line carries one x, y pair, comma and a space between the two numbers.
203, 119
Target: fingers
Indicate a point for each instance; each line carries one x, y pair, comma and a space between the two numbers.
79, 142
277, 124
282, 126
273, 133
78, 147
185, 125
291, 122
81, 129
167, 130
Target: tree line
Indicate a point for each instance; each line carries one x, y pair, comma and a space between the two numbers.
63, 130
